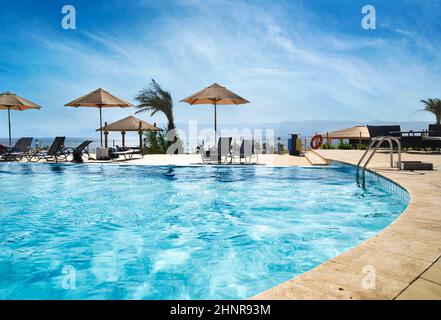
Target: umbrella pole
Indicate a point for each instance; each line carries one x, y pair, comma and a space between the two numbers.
215, 121
9, 121
101, 126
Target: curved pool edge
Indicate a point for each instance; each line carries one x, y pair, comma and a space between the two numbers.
389, 264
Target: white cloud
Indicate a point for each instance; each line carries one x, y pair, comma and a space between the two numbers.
287, 68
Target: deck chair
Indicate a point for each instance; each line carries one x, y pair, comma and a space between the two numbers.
433, 139
247, 151
220, 154
18, 151
55, 152
393, 130
79, 151
3, 149
126, 152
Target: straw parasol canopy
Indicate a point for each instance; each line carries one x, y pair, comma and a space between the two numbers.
10, 101
128, 124
357, 132
215, 95
99, 99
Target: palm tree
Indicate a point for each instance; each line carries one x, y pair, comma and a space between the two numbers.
434, 106
154, 99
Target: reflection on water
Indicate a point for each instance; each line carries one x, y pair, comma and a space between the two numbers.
205, 232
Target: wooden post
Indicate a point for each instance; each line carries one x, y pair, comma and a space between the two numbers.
106, 139
140, 139
106, 134
123, 135
154, 132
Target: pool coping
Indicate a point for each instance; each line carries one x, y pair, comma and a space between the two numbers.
400, 262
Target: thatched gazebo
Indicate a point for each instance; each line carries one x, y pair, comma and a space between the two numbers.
357, 134
126, 125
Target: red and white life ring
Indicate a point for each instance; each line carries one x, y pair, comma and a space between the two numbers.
316, 142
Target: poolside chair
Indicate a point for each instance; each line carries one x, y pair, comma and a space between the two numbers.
247, 150
221, 153
382, 131
388, 130
433, 139
126, 152
18, 151
409, 141
79, 151
55, 152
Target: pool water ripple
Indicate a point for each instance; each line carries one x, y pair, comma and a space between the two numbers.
143, 232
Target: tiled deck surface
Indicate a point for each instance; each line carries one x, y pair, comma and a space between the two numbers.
194, 159
405, 256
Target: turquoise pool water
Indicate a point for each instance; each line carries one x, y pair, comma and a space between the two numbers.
142, 232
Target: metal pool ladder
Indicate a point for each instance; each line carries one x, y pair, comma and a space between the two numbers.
379, 141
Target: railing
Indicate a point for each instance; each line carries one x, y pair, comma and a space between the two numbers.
379, 141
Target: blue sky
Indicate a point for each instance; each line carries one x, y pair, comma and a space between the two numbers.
294, 60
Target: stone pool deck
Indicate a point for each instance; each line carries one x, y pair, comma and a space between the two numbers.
401, 262
194, 159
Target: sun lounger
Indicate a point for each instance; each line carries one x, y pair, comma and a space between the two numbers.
407, 139
126, 152
433, 139
383, 131
55, 152
247, 150
79, 151
220, 154
18, 151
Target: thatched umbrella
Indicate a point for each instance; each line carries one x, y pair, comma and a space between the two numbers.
215, 95
99, 99
354, 133
10, 101
128, 124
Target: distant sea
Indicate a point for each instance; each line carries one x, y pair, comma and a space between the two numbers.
73, 142
306, 129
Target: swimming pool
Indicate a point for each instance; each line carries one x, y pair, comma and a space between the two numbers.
204, 232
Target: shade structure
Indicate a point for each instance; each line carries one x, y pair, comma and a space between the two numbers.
99, 99
10, 101
215, 95
357, 132
128, 124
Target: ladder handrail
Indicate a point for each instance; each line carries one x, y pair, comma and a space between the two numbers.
379, 141
364, 155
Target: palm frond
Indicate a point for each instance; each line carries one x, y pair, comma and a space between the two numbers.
154, 99
433, 106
